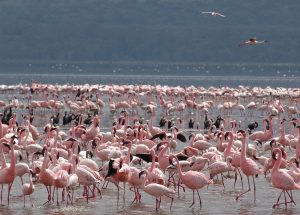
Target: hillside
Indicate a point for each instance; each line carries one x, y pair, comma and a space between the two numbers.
149, 30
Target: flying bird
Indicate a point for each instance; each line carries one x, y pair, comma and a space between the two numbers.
213, 13
253, 41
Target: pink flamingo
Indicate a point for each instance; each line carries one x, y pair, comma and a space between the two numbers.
92, 131
263, 135
283, 138
253, 41
157, 190
236, 156
155, 174
220, 167
282, 180
136, 182
61, 181
193, 180
46, 176
248, 166
298, 144
8, 173
28, 188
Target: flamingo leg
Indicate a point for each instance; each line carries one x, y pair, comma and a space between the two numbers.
238, 196
87, 194
169, 179
254, 188
172, 199
156, 205
139, 195
240, 177
199, 198
286, 202
124, 190
56, 196
98, 191
276, 204
92, 191
159, 201
291, 197
49, 195
235, 177
105, 186
21, 179
1, 192
135, 195
24, 201
53, 196
31, 201
193, 199
9, 188
63, 194
222, 176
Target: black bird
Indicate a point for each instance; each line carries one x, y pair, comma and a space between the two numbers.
31, 116
218, 122
161, 136
171, 123
145, 157
162, 122
55, 119
88, 120
7, 114
111, 169
252, 126
207, 122
67, 118
191, 124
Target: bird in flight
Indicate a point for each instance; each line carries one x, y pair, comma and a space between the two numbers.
213, 13
253, 41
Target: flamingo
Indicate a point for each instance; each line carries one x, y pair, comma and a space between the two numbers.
298, 144
282, 180
220, 167
8, 173
28, 188
192, 179
253, 41
157, 190
248, 166
46, 176
235, 155
213, 13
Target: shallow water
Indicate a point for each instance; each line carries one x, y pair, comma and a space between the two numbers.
215, 200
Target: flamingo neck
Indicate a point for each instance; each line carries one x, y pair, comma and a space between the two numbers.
179, 168
12, 157
244, 146
163, 151
153, 161
3, 163
230, 143
1, 128
192, 140
298, 143
127, 158
44, 165
278, 161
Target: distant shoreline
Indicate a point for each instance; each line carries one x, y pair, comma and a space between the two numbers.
150, 63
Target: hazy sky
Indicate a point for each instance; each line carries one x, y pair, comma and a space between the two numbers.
149, 30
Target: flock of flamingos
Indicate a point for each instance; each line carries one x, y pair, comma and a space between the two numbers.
159, 140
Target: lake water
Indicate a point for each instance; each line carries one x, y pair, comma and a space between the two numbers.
215, 200
182, 74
